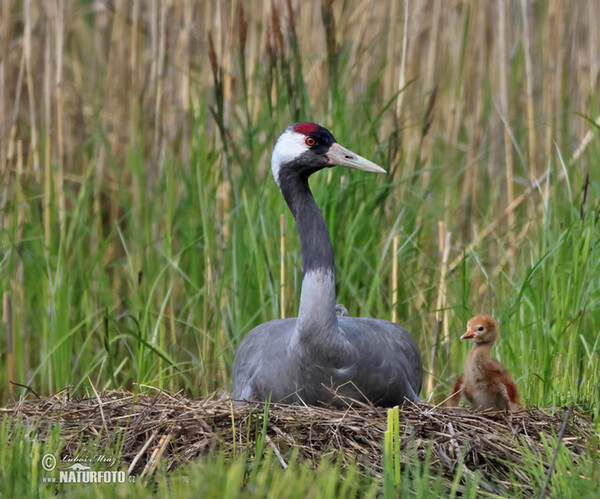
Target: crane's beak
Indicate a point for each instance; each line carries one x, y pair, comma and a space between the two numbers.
468, 335
339, 155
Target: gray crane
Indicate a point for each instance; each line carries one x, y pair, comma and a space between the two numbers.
319, 355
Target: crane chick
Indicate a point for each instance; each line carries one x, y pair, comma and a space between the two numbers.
485, 382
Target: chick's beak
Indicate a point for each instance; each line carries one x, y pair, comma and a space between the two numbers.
468, 335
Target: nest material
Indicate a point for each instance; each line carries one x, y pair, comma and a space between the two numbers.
175, 429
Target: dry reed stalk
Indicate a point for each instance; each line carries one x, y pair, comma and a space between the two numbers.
551, 39
434, 29
154, 37
5, 40
469, 89
594, 42
8, 323
33, 147
252, 62
357, 25
158, 66
264, 42
97, 190
557, 104
502, 54
133, 104
282, 266
390, 80
221, 367
47, 142
474, 183
478, 118
173, 330
110, 114
209, 291
441, 310
185, 41
12, 142
431, 367
57, 16
114, 111
156, 455
224, 202
402, 76
220, 114
141, 452
228, 48
395, 240
328, 20
442, 292
210, 337
527, 36
20, 266
134, 80
406, 61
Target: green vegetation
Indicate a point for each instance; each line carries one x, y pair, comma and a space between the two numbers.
140, 236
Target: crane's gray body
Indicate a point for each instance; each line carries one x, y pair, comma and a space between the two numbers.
269, 364
317, 355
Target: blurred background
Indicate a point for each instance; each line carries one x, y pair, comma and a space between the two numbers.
142, 235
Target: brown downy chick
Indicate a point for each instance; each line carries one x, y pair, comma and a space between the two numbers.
485, 382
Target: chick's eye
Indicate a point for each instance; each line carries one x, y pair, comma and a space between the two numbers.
310, 141
480, 328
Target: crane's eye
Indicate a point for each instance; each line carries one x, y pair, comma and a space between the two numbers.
480, 329
310, 141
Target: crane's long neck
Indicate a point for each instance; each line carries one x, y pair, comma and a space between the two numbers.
317, 320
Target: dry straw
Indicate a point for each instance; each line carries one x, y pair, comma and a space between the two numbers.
161, 426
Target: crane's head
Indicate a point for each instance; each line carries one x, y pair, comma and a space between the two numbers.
481, 329
304, 148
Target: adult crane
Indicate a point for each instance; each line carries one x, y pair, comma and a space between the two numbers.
319, 355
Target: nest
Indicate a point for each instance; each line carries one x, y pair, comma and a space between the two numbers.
174, 429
